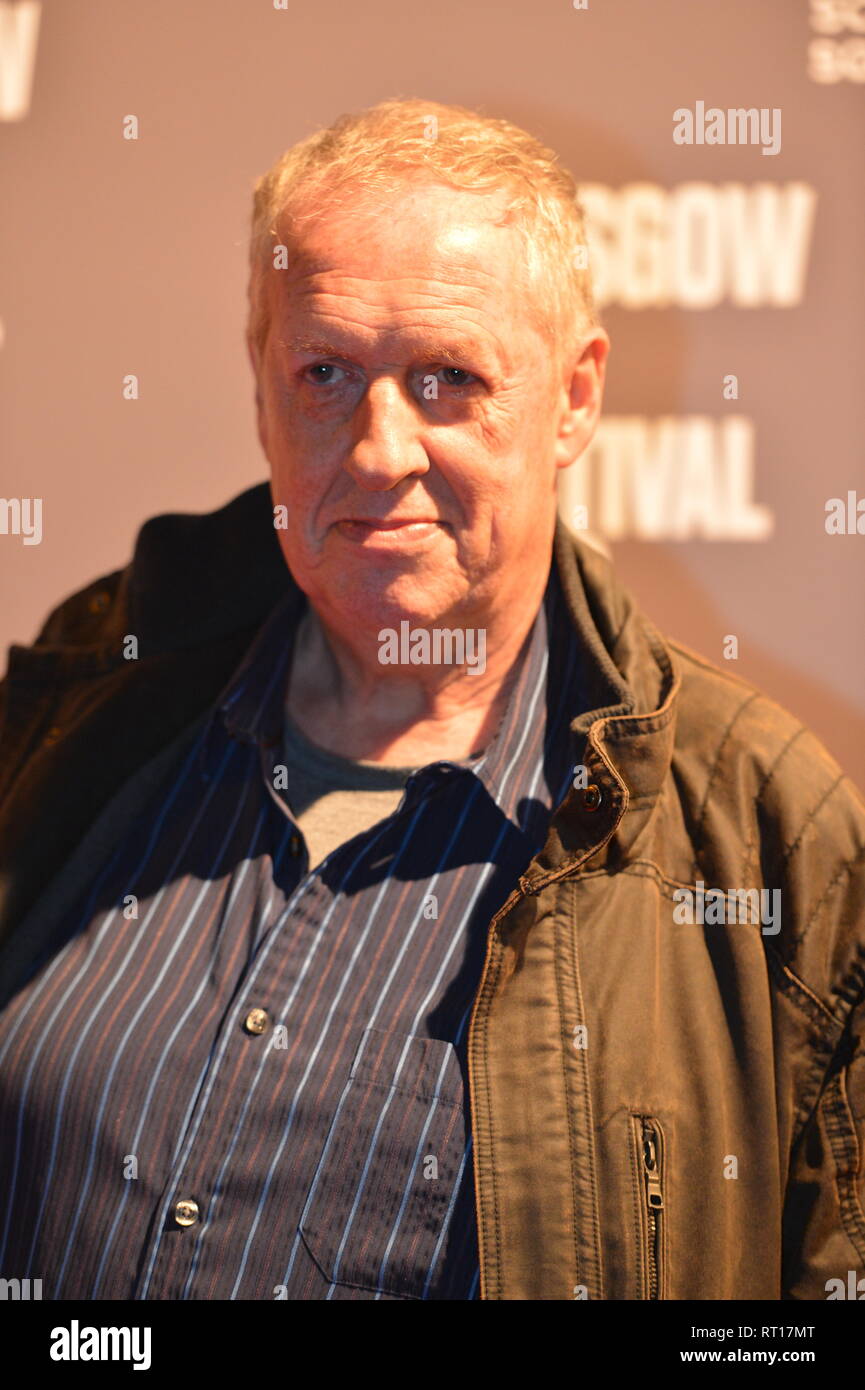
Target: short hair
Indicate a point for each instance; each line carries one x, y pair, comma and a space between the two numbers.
376, 150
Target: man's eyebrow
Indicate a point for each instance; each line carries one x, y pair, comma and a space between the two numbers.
315, 345
431, 348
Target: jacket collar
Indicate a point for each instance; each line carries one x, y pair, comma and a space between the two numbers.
200, 579
194, 578
629, 724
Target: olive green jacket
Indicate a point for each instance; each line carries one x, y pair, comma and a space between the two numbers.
661, 1108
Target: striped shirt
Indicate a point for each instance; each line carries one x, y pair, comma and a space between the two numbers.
233, 1078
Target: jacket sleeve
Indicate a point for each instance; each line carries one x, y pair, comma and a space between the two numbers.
824, 1208
824, 1231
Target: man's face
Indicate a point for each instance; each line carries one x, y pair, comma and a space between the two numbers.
410, 411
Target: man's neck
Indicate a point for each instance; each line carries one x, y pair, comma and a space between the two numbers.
404, 715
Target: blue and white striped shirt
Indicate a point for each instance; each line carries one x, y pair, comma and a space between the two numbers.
233, 1078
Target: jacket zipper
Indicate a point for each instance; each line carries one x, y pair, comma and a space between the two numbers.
525, 889
652, 1151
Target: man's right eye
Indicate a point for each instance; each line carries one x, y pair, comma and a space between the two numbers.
318, 371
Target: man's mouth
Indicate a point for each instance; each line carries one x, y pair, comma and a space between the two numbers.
379, 528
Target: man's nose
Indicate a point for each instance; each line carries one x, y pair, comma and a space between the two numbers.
387, 446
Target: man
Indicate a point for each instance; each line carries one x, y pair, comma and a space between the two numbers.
389, 911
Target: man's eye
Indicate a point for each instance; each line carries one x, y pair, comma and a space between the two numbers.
458, 376
321, 373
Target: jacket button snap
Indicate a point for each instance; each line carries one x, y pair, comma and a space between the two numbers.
98, 602
52, 736
592, 797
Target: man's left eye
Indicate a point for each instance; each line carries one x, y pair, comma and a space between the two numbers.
457, 372
326, 369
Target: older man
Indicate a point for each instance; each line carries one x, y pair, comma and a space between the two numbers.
386, 920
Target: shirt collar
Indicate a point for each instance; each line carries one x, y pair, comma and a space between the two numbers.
544, 695
252, 704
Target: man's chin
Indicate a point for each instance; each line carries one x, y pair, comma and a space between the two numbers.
358, 605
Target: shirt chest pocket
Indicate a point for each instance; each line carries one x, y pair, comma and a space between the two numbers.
388, 1207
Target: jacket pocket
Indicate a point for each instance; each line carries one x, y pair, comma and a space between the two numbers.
381, 1201
648, 1150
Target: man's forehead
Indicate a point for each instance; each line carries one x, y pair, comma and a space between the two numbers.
451, 345
430, 277
391, 269
416, 244
454, 217
344, 316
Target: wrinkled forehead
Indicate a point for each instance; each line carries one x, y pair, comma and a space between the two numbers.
434, 245
411, 213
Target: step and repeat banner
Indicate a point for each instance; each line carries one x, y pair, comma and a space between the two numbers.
719, 151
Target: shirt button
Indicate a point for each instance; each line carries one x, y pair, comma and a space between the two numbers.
592, 797
294, 846
186, 1212
256, 1020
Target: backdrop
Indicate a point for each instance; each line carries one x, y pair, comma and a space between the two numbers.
716, 147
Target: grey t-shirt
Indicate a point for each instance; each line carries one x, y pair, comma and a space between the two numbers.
334, 798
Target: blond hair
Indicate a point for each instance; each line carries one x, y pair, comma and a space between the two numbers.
375, 151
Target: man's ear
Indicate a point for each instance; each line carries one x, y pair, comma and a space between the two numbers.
581, 393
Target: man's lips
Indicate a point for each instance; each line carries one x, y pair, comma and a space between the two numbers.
389, 523
377, 528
